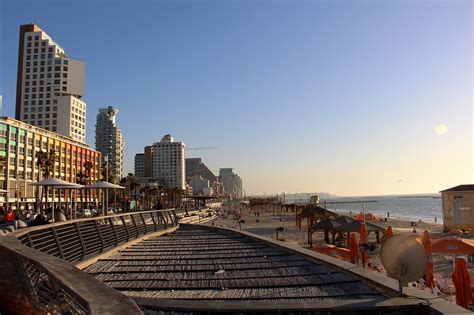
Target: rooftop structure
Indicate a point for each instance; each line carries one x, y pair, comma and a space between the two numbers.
458, 207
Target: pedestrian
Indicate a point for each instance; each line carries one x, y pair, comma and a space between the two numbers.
436, 220
388, 214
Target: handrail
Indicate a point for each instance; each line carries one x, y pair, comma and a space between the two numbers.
81, 239
45, 283
36, 278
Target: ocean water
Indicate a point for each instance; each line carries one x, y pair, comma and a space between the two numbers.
407, 207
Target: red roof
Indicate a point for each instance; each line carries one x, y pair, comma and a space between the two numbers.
468, 187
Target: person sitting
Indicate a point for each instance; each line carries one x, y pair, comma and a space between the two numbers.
9, 219
40, 219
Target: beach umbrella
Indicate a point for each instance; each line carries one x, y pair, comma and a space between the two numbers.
462, 283
426, 242
363, 240
55, 183
354, 248
103, 185
388, 232
453, 245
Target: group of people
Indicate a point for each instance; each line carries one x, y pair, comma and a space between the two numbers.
13, 218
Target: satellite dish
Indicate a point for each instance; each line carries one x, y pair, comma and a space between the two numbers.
404, 259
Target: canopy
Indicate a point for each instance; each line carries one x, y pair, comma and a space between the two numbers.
3, 191
354, 226
327, 225
462, 283
316, 211
72, 186
54, 182
453, 245
343, 220
104, 185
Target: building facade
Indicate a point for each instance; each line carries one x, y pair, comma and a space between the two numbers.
139, 166
195, 166
50, 85
458, 207
109, 141
168, 163
19, 145
200, 185
232, 183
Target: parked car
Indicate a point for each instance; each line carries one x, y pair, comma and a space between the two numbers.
87, 213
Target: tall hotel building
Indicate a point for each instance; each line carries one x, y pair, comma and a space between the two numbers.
50, 85
109, 141
162, 164
19, 145
168, 163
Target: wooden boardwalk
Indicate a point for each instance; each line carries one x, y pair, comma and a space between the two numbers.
203, 264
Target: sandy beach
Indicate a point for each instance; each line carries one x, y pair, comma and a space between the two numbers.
267, 222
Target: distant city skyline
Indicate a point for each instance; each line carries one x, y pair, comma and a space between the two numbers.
354, 98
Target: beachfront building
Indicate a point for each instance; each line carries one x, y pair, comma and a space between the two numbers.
139, 167
200, 185
50, 85
168, 163
20, 144
196, 167
109, 141
162, 164
458, 207
232, 183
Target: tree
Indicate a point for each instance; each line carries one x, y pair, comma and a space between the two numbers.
88, 166
81, 179
41, 158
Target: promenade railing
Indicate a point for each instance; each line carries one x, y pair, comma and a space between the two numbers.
38, 281
81, 239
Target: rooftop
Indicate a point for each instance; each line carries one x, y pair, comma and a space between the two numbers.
466, 187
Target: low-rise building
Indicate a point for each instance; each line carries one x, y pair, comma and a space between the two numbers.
198, 184
458, 207
20, 144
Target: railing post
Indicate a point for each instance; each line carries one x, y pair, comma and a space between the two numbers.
78, 230
164, 220
154, 220
30, 240
100, 235
115, 231
57, 242
135, 223
144, 223
126, 228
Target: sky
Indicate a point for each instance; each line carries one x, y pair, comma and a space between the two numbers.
346, 97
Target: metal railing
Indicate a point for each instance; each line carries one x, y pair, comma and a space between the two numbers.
38, 281
81, 239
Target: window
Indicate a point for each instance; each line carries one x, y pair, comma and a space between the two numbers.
37, 37
30, 38
57, 62
25, 116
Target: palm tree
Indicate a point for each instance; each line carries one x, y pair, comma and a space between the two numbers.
41, 158
81, 179
88, 166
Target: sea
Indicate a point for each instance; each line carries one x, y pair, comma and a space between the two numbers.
425, 207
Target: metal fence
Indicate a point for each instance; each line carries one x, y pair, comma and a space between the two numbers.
78, 240
39, 281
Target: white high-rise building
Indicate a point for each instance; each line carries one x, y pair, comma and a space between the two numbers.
50, 85
168, 163
109, 141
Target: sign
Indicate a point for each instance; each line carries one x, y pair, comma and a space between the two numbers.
464, 208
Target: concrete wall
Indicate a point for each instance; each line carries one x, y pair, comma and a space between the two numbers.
464, 216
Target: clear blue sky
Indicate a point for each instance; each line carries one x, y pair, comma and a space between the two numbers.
336, 96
